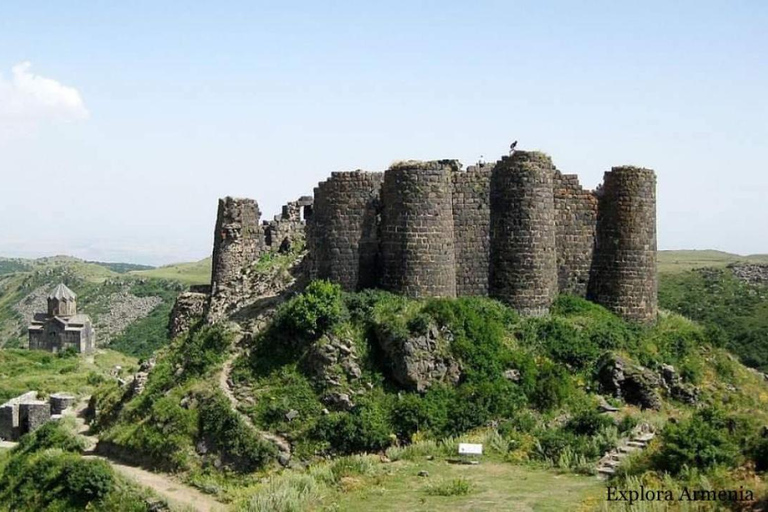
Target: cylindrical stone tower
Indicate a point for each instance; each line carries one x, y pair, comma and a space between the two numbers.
342, 230
624, 270
523, 250
417, 248
238, 241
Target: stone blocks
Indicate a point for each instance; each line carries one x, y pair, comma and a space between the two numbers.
417, 251
33, 414
624, 268
342, 231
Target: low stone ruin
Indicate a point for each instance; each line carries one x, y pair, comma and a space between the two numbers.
25, 413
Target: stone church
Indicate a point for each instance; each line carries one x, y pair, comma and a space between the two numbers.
61, 327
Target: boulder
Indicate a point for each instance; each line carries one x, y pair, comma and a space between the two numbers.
676, 388
416, 362
624, 379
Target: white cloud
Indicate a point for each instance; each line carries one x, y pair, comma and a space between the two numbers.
28, 98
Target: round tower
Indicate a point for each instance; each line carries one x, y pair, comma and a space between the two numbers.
417, 246
523, 242
342, 233
624, 270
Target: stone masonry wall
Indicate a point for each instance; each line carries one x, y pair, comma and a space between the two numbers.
238, 241
471, 229
342, 233
624, 268
416, 241
575, 220
523, 247
287, 229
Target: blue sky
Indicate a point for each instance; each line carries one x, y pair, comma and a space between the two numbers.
159, 108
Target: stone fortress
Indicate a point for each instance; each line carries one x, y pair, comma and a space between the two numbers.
61, 327
517, 230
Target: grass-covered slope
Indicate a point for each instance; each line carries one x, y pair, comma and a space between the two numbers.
734, 313
527, 388
198, 272
30, 370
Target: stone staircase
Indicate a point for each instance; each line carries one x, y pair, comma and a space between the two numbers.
637, 441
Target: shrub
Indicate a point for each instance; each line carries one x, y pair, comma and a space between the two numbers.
88, 480
229, 434
588, 422
365, 428
314, 312
702, 441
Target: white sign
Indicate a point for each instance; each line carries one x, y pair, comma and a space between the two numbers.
470, 449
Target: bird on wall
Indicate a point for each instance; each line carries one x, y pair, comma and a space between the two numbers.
512, 147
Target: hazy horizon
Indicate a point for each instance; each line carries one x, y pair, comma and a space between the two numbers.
121, 125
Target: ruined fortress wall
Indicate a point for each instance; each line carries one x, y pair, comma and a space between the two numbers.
575, 220
523, 247
237, 241
288, 229
417, 250
624, 269
471, 229
342, 232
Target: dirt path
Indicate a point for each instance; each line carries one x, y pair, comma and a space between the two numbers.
179, 496
225, 385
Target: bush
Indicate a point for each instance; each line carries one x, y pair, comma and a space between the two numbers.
702, 441
242, 447
588, 422
314, 312
88, 480
365, 428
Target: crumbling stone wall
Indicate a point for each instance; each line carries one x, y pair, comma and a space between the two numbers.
417, 250
342, 233
238, 241
751, 273
623, 277
287, 229
523, 250
575, 220
471, 229
188, 307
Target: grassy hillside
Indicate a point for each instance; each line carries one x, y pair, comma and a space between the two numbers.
198, 272
671, 262
543, 416
734, 313
26, 370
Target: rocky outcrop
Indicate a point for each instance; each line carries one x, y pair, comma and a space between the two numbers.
140, 377
188, 307
416, 362
334, 364
676, 388
633, 383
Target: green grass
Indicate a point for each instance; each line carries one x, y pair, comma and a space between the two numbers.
671, 262
33, 370
198, 272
